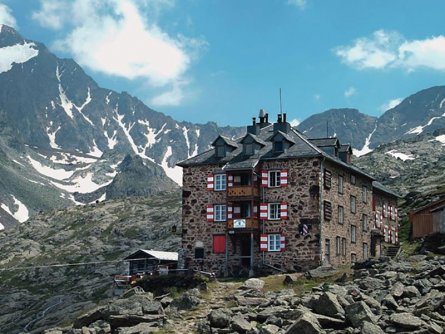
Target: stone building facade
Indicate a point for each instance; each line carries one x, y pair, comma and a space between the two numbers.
275, 200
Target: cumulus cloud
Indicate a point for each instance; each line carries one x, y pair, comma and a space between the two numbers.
171, 97
390, 104
301, 4
350, 91
389, 49
6, 16
114, 37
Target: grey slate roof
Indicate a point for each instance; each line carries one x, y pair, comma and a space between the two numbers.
301, 147
322, 142
345, 148
380, 187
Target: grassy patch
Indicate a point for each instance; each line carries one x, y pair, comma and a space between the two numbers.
409, 248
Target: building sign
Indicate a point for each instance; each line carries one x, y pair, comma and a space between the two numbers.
239, 223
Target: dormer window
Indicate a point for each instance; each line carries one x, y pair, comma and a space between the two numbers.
223, 146
248, 149
220, 151
278, 146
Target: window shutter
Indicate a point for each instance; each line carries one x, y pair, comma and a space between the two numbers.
283, 210
283, 177
219, 244
264, 179
391, 213
210, 182
229, 212
396, 214
327, 207
229, 181
263, 243
385, 214
373, 204
396, 237
386, 233
377, 220
327, 179
263, 211
282, 243
209, 212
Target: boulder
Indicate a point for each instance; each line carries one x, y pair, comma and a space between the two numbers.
370, 328
138, 329
321, 272
188, 300
269, 329
240, 324
219, 318
307, 323
254, 284
406, 321
359, 312
328, 305
397, 290
390, 302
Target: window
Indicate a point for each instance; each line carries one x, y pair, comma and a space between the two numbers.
353, 258
353, 234
352, 179
341, 215
327, 208
365, 194
328, 250
337, 246
219, 244
274, 178
343, 246
220, 151
273, 244
340, 184
220, 212
278, 146
220, 182
353, 202
199, 253
274, 211
327, 179
248, 149
365, 251
365, 223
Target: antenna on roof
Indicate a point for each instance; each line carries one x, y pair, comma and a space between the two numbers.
327, 129
281, 106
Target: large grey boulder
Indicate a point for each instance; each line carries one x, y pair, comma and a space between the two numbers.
359, 312
240, 324
219, 318
307, 323
370, 328
188, 300
138, 329
406, 321
328, 305
254, 284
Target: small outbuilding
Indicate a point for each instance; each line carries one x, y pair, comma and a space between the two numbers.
429, 219
151, 261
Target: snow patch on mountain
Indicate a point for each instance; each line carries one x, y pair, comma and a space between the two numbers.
95, 151
399, 155
175, 173
1, 225
16, 54
111, 141
441, 103
365, 149
57, 174
441, 139
21, 214
81, 184
67, 159
419, 129
52, 137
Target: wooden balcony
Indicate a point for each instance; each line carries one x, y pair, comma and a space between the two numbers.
242, 191
243, 224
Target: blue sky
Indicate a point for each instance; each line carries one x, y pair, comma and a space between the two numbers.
223, 60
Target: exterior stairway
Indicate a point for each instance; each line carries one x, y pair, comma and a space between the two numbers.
392, 250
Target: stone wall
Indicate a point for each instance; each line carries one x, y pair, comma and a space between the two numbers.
332, 228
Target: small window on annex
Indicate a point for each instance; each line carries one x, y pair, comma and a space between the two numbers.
220, 182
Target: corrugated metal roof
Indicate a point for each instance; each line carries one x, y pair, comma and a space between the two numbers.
160, 255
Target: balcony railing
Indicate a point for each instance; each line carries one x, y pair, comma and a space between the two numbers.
242, 191
243, 223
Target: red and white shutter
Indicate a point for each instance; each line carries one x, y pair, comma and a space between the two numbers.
384, 210
377, 220
396, 214
210, 182
386, 233
393, 235
263, 211
390, 212
264, 179
229, 181
396, 233
209, 212
283, 210
229, 212
282, 243
283, 177
263, 242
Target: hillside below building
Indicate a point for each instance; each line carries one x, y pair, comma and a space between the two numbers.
276, 200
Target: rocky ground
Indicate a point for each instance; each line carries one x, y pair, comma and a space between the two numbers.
61, 263
389, 296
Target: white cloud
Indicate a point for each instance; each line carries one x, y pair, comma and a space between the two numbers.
6, 16
172, 97
297, 3
121, 38
350, 91
390, 104
391, 50
295, 122
317, 97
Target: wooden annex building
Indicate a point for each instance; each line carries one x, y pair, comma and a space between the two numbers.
151, 261
428, 220
276, 200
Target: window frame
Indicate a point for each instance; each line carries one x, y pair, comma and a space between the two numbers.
218, 185
353, 234
327, 251
353, 258
365, 255
342, 210
219, 212
337, 246
276, 178
353, 179
365, 222
278, 146
353, 203
365, 194
343, 246
274, 242
278, 211
341, 184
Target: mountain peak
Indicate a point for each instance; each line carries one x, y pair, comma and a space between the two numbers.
9, 36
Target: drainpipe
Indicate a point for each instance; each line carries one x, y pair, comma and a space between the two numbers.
226, 259
321, 180
251, 273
